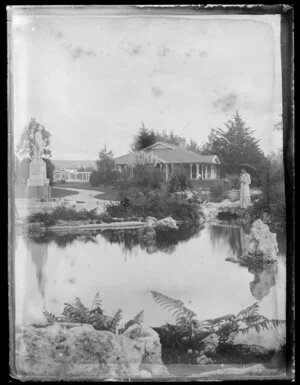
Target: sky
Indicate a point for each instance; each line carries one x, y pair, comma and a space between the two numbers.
92, 79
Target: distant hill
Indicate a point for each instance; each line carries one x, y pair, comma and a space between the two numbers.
73, 163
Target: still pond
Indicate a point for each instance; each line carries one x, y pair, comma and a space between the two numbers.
191, 266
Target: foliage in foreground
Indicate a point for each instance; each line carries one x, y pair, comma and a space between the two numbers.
189, 331
79, 313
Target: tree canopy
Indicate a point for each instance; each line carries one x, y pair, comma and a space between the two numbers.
146, 137
105, 172
234, 145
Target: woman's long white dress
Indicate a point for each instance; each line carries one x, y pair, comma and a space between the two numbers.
245, 191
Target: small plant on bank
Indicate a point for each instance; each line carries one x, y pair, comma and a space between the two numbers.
79, 313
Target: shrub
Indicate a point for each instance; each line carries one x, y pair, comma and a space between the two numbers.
180, 180
79, 313
64, 213
147, 177
234, 181
217, 193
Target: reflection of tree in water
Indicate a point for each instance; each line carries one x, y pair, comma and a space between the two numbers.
39, 256
127, 238
165, 242
230, 235
264, 279
63, 240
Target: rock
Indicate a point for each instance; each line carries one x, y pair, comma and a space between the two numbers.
60, 351
166, 224
145, 374
147, 233
149, 339
231, 259
246, 353
204, 360
261, 242
151, 221
209, 344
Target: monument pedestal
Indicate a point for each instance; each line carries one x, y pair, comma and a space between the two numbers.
38, 184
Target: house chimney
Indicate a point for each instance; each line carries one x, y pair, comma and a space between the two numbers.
182, 143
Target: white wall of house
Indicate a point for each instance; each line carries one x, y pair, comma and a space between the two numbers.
72, 176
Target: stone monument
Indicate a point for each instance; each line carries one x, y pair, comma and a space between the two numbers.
37, 183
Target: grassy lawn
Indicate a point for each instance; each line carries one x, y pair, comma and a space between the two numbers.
55, 192
61, 192
110, 193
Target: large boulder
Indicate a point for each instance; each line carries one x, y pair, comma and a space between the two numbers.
151, 221
261, 243
65, 351
209, 344
166, 224
150, 342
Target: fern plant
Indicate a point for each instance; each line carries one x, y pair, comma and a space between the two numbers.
186, 320
79, 313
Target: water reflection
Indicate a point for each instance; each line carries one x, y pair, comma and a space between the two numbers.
39, 256
62, 240
128, 239
234, 236
264, 279
185, 265
231, 235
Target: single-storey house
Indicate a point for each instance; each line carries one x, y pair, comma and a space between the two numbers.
71, 175
169, 156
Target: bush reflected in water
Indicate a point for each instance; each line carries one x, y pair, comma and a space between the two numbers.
128, 239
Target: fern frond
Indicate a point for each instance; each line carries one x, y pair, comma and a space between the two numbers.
97, 303
79, 304
173, 306
50, 317
135, 320
115, 320
249, 311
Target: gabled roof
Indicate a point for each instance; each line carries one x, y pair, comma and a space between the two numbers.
161, 145
172, 154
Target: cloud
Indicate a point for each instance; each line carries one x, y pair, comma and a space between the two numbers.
227, 102
79, 52
156, 92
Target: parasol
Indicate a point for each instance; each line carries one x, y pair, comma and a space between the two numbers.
248, 167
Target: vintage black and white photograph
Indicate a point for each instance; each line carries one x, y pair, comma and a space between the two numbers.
147, 193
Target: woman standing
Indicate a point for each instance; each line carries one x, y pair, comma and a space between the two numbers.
245, 191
